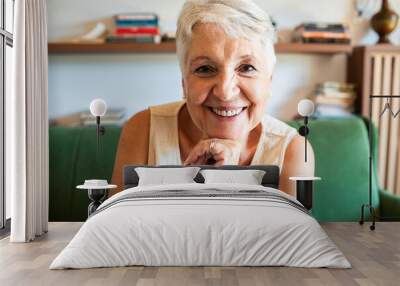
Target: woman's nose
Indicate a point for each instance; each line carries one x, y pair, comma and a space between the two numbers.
226, 87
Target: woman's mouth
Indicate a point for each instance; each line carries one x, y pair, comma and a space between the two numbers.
227, 112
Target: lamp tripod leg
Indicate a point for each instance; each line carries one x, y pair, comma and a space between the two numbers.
372, 212
361, 222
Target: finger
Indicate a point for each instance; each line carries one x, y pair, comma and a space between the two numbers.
202, 160
221, 159
219, 156
193, 156
223, 155
196, 160
218, 148
196, 155
190, 160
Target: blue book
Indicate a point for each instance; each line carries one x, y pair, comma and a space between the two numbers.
138, 23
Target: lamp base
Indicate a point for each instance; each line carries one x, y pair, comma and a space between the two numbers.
96, 196
372, 212
304, 193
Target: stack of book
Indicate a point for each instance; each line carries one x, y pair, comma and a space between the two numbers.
314, 32
135, 28
85, 118
112, 117
334, 99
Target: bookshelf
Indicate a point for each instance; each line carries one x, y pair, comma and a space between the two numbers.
300, 48
169, 47
74, 48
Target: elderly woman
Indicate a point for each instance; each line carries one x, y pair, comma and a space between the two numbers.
226, 56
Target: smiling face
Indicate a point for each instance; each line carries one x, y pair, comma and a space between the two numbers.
225, 82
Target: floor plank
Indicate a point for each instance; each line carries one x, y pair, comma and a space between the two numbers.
374, 255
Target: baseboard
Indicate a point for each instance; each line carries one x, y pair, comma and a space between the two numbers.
5, 231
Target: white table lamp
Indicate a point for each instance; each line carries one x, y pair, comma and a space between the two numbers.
98, 109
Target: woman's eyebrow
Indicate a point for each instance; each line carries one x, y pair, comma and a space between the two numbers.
198, 58
205, 58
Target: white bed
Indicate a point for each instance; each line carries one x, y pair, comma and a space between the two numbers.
201, 224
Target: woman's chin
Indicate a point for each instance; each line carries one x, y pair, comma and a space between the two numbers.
224, 134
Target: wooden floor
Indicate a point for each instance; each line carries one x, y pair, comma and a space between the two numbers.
374, 255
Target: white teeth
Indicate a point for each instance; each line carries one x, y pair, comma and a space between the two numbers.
227, 113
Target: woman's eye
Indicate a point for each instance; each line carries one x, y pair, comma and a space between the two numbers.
246, 68
204, 69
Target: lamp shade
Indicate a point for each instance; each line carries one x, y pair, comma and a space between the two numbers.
305, 107
98, 107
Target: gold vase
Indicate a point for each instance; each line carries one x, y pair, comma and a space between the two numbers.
384, 22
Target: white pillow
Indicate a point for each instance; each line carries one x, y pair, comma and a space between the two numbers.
248, 177
163, 176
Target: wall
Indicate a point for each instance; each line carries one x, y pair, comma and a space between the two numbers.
137, 81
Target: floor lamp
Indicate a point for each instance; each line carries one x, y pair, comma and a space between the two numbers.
371, 148
97, 189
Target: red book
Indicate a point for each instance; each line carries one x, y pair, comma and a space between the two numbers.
137, 30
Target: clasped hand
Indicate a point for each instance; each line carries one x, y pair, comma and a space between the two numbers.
215, 152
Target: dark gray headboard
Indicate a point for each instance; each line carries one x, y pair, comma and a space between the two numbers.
270, 179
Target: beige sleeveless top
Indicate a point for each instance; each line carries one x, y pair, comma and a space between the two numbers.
164, 138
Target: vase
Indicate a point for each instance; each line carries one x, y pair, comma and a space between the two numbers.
384, 22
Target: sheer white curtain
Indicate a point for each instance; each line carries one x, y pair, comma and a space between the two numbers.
27, 123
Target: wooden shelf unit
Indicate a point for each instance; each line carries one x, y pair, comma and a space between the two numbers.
300, 48
76, 48
169, 47
375, 70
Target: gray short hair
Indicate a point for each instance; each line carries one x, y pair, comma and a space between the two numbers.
238, 19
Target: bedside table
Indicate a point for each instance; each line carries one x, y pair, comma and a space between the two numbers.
97, 192
304, 190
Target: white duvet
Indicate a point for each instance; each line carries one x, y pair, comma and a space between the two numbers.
189, 230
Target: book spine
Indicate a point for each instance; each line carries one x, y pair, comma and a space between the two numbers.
330, 109
338, 95
132, 36
328, 29
340, 29
139, 23
335, 101
336, 84
325, 41
325, 35
323, 27
136, 39
137, 30
138, 16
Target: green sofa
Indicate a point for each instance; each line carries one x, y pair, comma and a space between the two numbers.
341, 152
